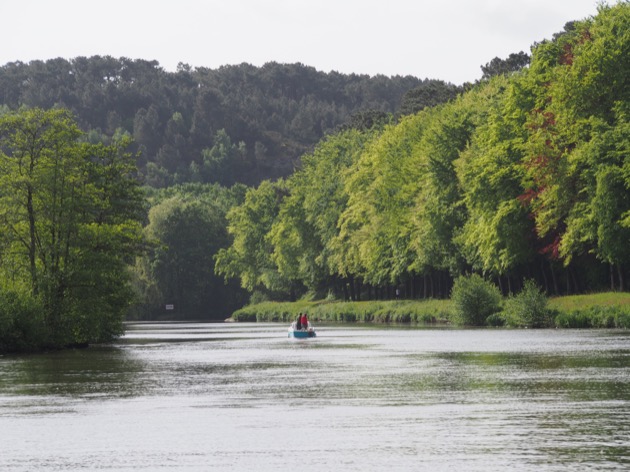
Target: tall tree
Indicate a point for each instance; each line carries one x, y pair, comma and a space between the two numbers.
71, 213
249, 258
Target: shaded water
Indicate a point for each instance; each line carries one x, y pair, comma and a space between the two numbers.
199, 397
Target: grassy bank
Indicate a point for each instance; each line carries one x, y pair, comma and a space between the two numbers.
598, 310
399, 311
602, 310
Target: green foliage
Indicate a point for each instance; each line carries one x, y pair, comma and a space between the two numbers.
186, 226
494, 237
516, 176
428, 311
514, 62
597, 311
427, 95
595, 317
279, 111
474, 300
376, 222
22, 325
528, 308
249, 258
576, 302
70, 214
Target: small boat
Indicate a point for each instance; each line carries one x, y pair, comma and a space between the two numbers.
309, 332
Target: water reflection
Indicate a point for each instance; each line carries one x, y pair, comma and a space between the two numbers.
232, 397
94, 372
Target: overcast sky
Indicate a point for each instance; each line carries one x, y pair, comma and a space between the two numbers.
437, 39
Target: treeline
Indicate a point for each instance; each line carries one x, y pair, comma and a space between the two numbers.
235, 124
524, 176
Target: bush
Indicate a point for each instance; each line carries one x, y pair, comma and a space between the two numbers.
474, 299
574, 319
496, 319
21, 322
528, 308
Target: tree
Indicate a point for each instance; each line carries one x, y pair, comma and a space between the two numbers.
249, 257
307, 225
494, 238
70, 213
429, 94
513, 63
223, 162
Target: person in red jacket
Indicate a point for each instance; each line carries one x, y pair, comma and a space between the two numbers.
304, 321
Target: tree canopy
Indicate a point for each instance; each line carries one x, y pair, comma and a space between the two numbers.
523, 175
186, 123
71, 223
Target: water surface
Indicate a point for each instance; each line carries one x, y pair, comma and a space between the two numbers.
200, 397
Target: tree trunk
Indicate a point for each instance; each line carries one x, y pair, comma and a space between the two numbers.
352, 293
576, 285
425, 286
32, 243
621, 280
553, 278
544, 274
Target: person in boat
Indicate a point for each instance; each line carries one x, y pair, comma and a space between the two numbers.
298, 322
304, 321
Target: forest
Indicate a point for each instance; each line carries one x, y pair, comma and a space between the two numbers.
524, 176
238, 123
189, 194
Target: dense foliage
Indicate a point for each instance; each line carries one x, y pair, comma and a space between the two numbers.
238, 123
358, 188
524, 176
70, 213
474, 300
186, 227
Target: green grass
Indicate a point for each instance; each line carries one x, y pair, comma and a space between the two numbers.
578, 302
600, 310
403, 311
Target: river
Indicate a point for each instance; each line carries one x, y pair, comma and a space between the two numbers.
244, 397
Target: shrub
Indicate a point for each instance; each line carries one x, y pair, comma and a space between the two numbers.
21, 322
528, 308
496, 319
474, 299
573, 319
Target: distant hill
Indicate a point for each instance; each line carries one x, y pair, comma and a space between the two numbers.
237, 123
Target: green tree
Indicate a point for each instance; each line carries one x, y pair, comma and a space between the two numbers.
307, 225
249, 258
494, 238
70, 213
373, 241
578, 137
513, 63
224, 160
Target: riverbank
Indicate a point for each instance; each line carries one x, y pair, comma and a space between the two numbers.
601, 310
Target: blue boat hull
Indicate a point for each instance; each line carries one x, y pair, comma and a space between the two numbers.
301, 334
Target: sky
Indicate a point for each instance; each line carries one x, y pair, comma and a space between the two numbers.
436, 39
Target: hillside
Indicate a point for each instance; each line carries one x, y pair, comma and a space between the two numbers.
237, 123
